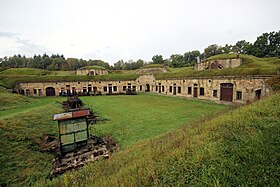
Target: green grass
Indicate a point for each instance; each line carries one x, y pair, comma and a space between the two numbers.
22, 130
135, 118
153, 66
251, 66
9, 100
240, 148
63, 73
24, 71
132, 119
93, 67
10, 81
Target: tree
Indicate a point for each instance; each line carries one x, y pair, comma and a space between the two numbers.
190, 57
177, 60
242, 47
212, 50
267, 45
157, 59
226, 49
119, 65
72, 64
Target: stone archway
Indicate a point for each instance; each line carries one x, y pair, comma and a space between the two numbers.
50, 91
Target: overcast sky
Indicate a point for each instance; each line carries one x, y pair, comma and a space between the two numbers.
111, 30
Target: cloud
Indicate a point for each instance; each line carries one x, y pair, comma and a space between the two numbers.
21, 46
7, 34
31, 48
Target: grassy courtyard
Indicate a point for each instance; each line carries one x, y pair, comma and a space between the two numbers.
131, 119
134, 118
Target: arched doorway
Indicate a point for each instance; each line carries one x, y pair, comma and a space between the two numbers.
147, 88
226, 92
50, 91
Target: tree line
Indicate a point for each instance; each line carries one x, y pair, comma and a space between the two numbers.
266, 45
54, 62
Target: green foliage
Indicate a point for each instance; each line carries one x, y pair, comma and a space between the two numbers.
52, 63
190, 57
240, 148
93, 67
212, 50
129, 65
157, 59
177, 60
267, 45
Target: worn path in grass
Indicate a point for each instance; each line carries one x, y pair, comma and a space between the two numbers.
134, 118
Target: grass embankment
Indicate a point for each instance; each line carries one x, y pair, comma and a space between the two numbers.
9, 81
22, 130
251, 66
132, 118
24, 71
9, 101
93, 67
240, 148
153, 66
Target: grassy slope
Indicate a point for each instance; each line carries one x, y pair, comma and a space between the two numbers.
240, 148
251, 66
93, 67
135, 118
24, 71
22, 128
9, 101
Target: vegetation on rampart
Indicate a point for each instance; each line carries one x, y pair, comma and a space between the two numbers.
251, 66
92, 67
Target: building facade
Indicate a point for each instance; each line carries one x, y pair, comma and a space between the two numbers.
91, 72
227, 88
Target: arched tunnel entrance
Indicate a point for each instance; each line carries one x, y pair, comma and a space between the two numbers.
50, 91
147, 88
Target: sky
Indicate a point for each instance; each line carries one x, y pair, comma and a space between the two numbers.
111, 30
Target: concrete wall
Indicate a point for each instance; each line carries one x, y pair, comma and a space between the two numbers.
246, 86
219, 64
91, 72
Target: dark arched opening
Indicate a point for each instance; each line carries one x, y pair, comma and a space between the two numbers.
50, 91
147, 88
